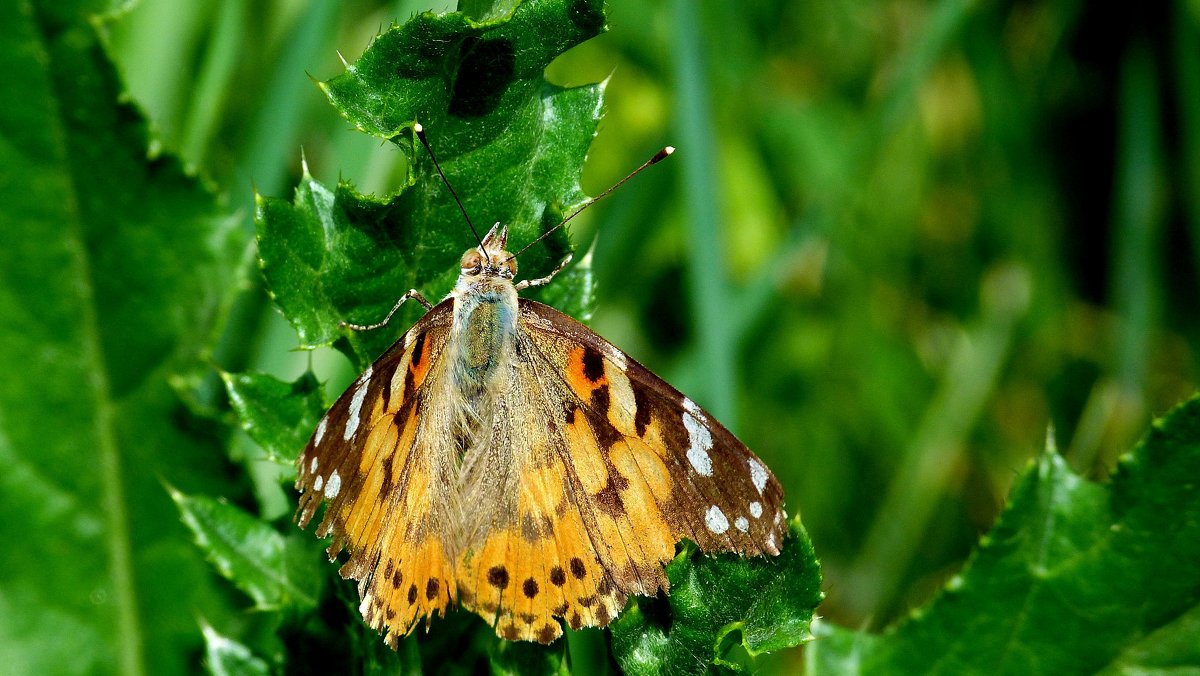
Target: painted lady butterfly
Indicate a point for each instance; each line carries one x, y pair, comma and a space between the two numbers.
504, 457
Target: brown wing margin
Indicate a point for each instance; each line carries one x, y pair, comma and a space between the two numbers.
721, 495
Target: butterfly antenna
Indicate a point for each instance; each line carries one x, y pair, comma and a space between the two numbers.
425, 142
658, 157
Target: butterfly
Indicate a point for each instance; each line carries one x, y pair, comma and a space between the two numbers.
503, 457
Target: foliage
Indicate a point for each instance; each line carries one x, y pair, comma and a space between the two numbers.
717, 604
115, 266
1074, 578
511, 144
898, 241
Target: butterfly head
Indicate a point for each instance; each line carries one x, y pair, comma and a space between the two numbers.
490, 259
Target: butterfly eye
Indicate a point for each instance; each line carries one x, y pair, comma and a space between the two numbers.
472, 262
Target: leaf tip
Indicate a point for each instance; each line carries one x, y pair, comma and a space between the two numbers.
177, 496
1051, 441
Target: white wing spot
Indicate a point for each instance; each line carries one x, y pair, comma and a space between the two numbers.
334, 486
715, 520
320, 436
617, 357
756, 509
318, 483
741, 524
312, 466
691, 407
701, 441
356, 404
771, 542
758, 474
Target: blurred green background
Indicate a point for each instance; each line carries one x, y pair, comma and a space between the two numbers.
901, 242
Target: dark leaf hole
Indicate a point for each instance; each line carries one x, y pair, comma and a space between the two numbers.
587, 16
657, 611
485, 70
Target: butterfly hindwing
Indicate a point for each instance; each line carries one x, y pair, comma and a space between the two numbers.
384, 476
538, 553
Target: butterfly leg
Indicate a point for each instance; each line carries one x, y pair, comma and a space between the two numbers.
411, 293
542, 281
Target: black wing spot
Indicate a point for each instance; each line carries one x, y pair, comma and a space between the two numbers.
386, 379
641, 404
530, 588
498, 577
577, 568
593, 364
418, 349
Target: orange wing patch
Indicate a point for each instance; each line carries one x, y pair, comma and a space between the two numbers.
588, 528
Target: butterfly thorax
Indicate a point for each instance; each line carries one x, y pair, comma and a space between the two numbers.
483, 334
484, 331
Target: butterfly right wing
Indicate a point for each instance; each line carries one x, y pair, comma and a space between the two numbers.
705, 483
380, 459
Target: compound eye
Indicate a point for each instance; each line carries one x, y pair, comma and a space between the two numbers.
472, 262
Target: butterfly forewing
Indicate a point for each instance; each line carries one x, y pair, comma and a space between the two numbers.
707, 484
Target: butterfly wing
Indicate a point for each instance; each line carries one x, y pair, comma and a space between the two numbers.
719, 494
378, 461
596, 467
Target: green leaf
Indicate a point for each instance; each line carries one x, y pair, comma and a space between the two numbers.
1172, 649
277, 572
1075, 577
511, 144
448, 70
573, 290
717, 603
225, 657
113, 271
278, 416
